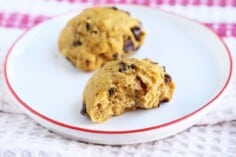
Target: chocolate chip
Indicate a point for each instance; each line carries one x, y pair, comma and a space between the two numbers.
111, 90
114, 8
128, 46
88, 26
167, 78
94, 32
143, 91
122, 63
143, 85
77, 43
115, 56
123, 67
164, 100
132, 66
83, 109
87, 62
102, 55
99, 106
137, 32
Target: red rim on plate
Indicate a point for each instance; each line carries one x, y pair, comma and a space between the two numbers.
124, 131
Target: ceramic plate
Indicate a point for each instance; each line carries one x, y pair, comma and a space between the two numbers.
49, 88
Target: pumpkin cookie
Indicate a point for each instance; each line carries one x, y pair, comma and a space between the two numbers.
124, 85
98, 35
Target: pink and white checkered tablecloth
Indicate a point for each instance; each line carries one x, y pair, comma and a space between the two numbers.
213, 136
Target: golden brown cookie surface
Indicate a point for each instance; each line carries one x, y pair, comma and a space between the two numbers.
126, 84
98, 35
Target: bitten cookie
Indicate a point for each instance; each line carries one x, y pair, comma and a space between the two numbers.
126, 84
98, 35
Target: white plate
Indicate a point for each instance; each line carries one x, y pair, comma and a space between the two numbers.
49, 88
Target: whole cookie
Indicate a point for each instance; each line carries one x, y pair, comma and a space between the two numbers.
98, 35
126, 84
